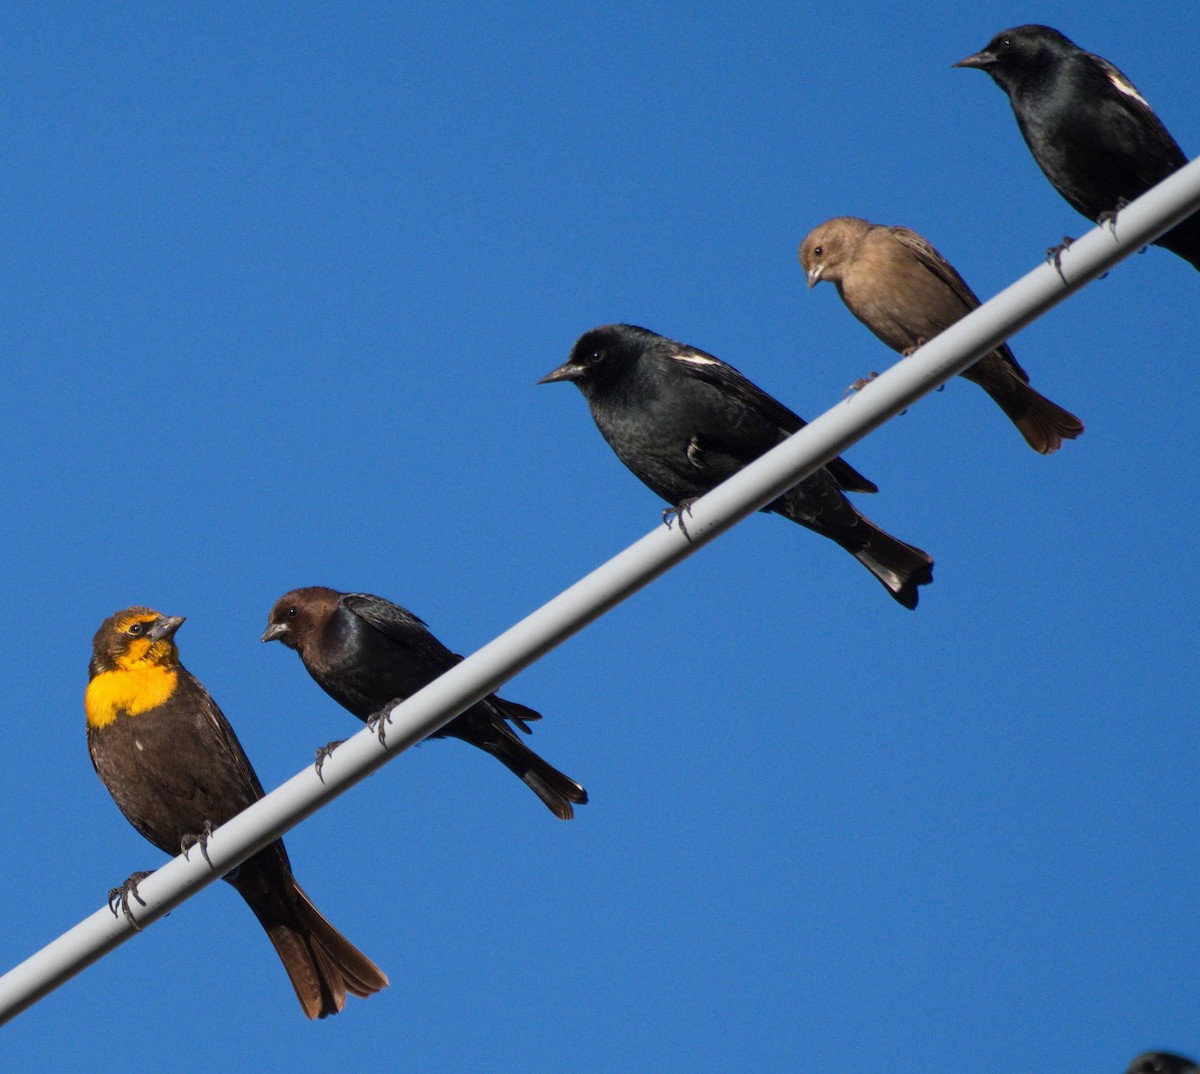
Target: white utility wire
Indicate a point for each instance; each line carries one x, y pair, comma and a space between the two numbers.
489, 668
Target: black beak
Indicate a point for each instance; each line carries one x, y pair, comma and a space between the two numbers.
563, 372
275, 632
982, 60
165, 627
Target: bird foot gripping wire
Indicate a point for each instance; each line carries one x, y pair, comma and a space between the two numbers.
322, 756
684, 507
201, 840
858, 385
378, 721
120, 896
1054, 256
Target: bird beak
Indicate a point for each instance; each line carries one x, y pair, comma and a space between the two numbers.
275, 632
814, 274
563, 372
983, 60
165, 627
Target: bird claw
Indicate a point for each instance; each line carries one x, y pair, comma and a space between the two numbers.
859, 384
378, 722
1054, 256
684, 508
120, 896
323, 754
1108, 218
201, 840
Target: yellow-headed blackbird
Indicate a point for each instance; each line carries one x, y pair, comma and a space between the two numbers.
904, 291
175, 768
366, 652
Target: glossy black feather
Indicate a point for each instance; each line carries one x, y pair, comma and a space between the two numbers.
683, 421
366, 652
1089, 129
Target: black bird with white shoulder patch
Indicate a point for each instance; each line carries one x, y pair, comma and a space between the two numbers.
683, 421
1089, 129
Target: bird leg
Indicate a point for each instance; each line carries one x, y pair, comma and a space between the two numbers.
683, 508
120, 897
201, 840
322, 753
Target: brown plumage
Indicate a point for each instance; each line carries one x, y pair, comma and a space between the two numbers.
904, 291
173, 765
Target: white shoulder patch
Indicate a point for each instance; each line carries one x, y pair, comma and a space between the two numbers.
1126, 87
695, 358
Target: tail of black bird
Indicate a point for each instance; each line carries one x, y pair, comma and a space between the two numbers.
900, 567
1045, 425
557, 790
1184, 239
321, 963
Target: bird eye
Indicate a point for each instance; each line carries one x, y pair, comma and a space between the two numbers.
818, 251
1006, 42
135, 630
291, 612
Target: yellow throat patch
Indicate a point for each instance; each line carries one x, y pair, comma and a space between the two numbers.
135, 686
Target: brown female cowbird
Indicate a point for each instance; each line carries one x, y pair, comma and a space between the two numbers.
1162, 1063
905, 292
366, 653
684, 421
1090, 131
173, 765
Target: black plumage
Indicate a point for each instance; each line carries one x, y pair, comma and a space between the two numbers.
1162, 1063
683, 421
366, 653
1089, 129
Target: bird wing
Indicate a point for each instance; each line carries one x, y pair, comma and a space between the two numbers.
933, 262
227, 744
401, 626
705, 367
412, 633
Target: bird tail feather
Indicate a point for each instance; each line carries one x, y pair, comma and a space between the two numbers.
556, 790
321, 963
901, 567
1045, 425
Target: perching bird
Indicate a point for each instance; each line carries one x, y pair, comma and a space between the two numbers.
175, 768
1162, 1063
684, 421
1090, 131
905, 292
366, 652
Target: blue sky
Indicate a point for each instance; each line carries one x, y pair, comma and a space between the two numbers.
277, 285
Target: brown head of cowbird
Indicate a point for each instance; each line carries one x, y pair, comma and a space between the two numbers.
366, 653
904, 291
173, 765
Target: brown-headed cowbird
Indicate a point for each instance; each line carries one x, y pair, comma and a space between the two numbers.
905, 292
1090, 131
684, 421
173, 765
366, 653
